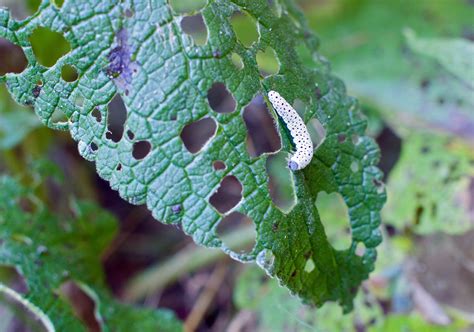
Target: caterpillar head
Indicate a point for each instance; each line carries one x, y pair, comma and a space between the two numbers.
293, 165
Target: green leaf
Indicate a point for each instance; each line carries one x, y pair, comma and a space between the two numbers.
16, 122
454, 54
163, 79
430, 188
378, 66
48, 251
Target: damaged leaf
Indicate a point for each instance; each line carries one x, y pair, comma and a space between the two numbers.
137, 51
432, 186
49, 259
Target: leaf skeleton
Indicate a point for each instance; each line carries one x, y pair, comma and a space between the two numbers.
298, 131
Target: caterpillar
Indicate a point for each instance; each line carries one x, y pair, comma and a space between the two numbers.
298, 131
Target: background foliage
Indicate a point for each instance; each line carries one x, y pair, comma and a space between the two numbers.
414, 81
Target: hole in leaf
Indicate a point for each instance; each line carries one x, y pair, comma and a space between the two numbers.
220, 99
262, 135
316, 132
318, 93
12, 278
58, 3
309, 266
355, 166
12, 58
94, 147
116, 118
37, 89
360, 249
280, 182
265, 259
391, 147
79, 101
119, 167
355, 139
130, 134
196, 28
228, 195
141, 149
234, 222
59, 117
341, 138
69, 73
379, 185
267, 62
82, 304
237, 60
299, 107
335, 216
245, 28
186, 6
195, 135
219, 165
97, 115
48, 46
21, 9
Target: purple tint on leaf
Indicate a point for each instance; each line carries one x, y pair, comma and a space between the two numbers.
121, 67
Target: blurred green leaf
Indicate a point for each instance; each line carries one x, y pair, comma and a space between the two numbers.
16, 121
430, 189
456, 55
50, 250
364, 41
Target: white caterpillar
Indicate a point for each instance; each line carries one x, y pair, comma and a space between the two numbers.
304, 146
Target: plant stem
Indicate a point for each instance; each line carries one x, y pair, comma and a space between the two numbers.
187, 260
205, 298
